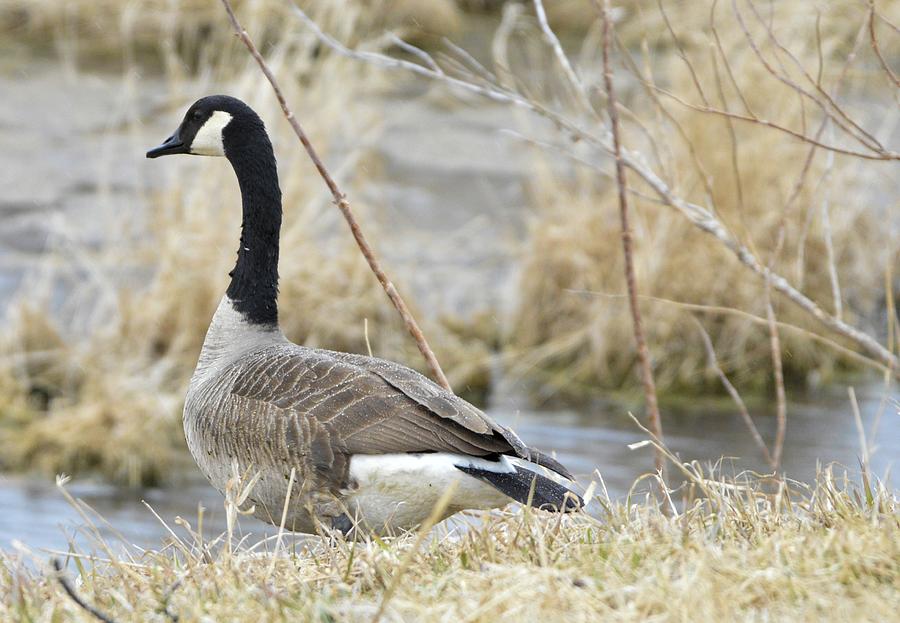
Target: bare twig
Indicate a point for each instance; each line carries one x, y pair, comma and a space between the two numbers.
874, 41
344, 206
707, 222
742, 408
875, 154
72, 593
409, 48
561, 58
830, 255
732, 135
469, 60
681, 52
699, 216
828, 103
646, 79
491, 92
630, 279
728, 70
828, 107
888, 22
732, 311
778, 374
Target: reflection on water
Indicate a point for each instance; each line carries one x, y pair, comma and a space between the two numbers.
35, 513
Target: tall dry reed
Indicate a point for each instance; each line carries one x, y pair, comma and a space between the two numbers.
572, 328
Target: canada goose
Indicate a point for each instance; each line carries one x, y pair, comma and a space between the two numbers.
371, 442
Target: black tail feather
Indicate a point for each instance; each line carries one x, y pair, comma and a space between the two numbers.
545, 460
518, 485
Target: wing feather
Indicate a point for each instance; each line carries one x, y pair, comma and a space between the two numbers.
344, 404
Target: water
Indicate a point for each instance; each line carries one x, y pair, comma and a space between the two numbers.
37, 514
447, 180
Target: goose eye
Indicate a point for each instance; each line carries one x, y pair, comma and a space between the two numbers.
198, 114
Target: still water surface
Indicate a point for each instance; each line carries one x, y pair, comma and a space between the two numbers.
823, 431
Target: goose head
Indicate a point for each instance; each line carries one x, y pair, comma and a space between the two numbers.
216, 125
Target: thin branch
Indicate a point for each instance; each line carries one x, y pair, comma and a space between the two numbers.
731, 311
419, 53
341, 201
630, 279
735, 396
480, 69
492, 92
73, 594
707, 222
699, 216
874, 41
774, 338
866, 137
830, 255
863, 140
829, 161
646, 80
681, 52
887, 22
725, 63
877, 154
732, 135
561, 57
778, 374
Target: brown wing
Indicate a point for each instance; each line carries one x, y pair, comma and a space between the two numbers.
441, 403
337, 405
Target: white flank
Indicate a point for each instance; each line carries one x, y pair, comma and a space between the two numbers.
208, 140
401, 490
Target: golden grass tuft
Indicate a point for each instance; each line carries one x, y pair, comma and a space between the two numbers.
572, 331
740, 552
105, 30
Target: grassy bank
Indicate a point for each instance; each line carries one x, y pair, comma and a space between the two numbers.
827, 553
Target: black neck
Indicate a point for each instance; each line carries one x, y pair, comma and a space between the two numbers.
254, 280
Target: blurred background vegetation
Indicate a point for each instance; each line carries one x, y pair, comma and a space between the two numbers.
500, 228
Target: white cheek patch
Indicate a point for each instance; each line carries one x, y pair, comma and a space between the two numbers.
208, 140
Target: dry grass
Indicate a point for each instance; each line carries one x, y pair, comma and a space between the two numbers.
830, 552
104, 393
571, 333
197, 29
